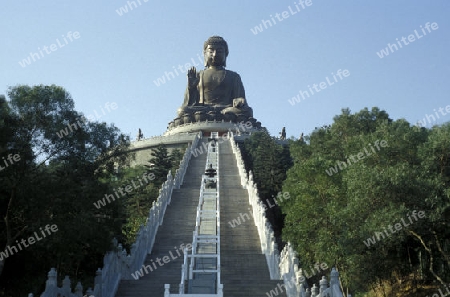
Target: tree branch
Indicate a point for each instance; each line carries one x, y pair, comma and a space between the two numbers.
428, 249
438, 244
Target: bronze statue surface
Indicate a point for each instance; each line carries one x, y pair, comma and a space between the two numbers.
214, 93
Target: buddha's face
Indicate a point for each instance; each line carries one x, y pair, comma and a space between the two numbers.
215, 55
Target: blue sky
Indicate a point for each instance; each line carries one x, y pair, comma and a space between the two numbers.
117, 58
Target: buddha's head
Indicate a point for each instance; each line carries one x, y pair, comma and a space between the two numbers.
215, 51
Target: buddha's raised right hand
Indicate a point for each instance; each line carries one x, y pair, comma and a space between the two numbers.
192, 77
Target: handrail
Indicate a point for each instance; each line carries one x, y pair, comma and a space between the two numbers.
117, 265
283, 267
208, 208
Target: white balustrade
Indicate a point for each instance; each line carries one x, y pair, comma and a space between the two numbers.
117, 265
283, 267
266, 235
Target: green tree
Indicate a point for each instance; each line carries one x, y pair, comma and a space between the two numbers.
269, 162
138, 203
56, 182
434, 171
331, 214
160, 163
176, 156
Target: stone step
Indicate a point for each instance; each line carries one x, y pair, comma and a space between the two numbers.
244, 270
177, 228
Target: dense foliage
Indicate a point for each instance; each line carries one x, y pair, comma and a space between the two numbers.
145, 191
368, 177
53, 180
59, 169
269, 161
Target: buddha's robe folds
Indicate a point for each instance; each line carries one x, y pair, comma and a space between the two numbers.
215, 90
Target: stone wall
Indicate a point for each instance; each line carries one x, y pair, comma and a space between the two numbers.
142, 149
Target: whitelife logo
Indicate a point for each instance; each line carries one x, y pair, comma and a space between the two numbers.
243, 217
147, 177
411, 38
74, 126
166, 259
322, 85
49, 49
168, 75
398, 227
11, 250
131, 5
281, 16
10, 160
360, 155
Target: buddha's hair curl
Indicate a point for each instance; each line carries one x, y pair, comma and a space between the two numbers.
216, 40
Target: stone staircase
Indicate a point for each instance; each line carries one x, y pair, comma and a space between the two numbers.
177, 227
244, 269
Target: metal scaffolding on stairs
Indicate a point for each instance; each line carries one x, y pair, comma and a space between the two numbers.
200, 273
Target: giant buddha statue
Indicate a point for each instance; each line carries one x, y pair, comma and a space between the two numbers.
214, 93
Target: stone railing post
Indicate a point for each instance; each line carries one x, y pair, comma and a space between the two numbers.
98, 283
51, 286
79, 290
314, 291
89, 292
323, 284
335, 287
167, 290
308, 292
220, 290
66, 286
334, 277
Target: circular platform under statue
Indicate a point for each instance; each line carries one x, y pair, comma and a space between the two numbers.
214, 126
